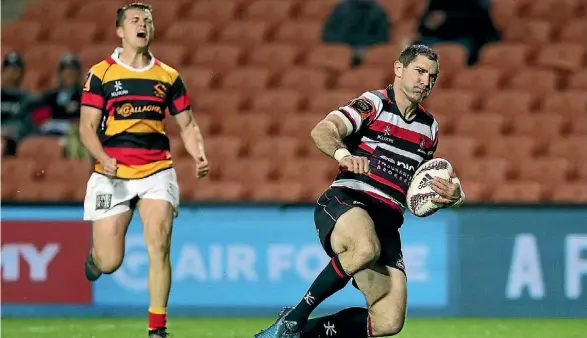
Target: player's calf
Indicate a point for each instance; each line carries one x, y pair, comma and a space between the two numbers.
157, 218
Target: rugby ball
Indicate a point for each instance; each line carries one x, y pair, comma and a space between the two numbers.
420, 193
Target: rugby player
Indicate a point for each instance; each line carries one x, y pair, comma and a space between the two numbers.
379, 139
124, 101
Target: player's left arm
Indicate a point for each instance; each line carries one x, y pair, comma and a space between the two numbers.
451, 191
180, 109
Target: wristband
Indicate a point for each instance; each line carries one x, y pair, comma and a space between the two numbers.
341, 153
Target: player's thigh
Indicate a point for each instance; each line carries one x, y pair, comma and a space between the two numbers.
385, 290
342, 223
108, 235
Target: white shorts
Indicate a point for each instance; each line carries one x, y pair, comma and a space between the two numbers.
107, 196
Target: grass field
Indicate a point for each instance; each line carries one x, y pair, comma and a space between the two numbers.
245, 328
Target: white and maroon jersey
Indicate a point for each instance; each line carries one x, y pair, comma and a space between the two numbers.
395, 147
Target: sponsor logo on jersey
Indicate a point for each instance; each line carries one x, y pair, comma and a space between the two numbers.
128, 109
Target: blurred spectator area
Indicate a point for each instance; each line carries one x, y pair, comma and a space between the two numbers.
514, 125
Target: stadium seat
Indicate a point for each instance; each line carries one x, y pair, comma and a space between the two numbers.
452, 101
328, 101
244, 33
303, 33
329, 57
561, 56
450, 147
569, 103
95, 53
21, 34
224, 147
200, 78
504, 12
489, 170
396, 9
541, 81
316, 10
166, 12
482, 126
579, 126
286, 146
381, 56
177, 147
40, 148
218, 101
445, 123
570, 193
571, 147
452, 55
299, 125
513, 148
540, 126
75, 172
508, 101
269, 10
17, 173
74, 34
254, 126
313, 170
533, 32
53, 191
555, 11
207, 124
505, 56
33, 80
362, 79
280, 100
251, 172
47, 12
578, 81
574, 32
274, 56
519, 191
185, 169
249, 80
206, 190
476, 191
45, 55
173, 54
279, 191
549, 171
486, 79
306, 80
220, 57
189, 32
217, 11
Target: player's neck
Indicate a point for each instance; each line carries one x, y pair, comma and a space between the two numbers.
406, 107
135, 58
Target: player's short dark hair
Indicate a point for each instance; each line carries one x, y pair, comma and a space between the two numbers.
121, 12
411, 53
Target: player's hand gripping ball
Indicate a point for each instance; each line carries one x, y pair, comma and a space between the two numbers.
423, 197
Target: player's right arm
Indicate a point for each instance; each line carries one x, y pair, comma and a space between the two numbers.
90, 115
329, 133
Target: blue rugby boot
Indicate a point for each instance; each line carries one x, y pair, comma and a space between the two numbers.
281, 328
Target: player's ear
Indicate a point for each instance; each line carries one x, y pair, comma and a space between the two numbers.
120, 32
398, 69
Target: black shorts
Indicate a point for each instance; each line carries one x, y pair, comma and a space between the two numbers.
334, 202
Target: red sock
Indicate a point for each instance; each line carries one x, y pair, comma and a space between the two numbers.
157, 318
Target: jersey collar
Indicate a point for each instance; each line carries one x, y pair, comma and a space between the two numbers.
115, 57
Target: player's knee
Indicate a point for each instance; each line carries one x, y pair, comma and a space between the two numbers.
367, 251
388, 325
158, 244
108, 263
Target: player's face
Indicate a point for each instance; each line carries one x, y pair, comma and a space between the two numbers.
137, 30
418, 78
12, 76
70, 77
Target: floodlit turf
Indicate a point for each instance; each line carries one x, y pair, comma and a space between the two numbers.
245, 328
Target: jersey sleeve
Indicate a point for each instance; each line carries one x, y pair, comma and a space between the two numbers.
93, 92
179, 99
434, 132
360, 111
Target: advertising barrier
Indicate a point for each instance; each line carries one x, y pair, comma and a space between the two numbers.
476, 261
42, 262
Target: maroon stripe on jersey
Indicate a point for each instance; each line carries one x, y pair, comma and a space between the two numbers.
366, 148
348, 116
112, 101
396, 131
136, 156
181, 103
384, 200
386, 182
91, 99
